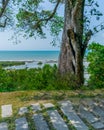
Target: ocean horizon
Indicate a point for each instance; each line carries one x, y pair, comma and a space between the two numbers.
19, 55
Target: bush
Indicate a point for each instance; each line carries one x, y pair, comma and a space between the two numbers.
96, 66
46, 78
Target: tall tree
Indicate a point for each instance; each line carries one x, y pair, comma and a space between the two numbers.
76, 30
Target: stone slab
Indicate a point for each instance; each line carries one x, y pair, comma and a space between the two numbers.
21, 124
22, 110
48, 105
3, 126
6, 110
67, 109
88, 103
85, 113
98, 111
40, 123
66, 105
98, 125
36, 107
57, 121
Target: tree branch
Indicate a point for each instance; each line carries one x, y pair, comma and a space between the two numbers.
85, 43
4, 5
4, 24
50, 17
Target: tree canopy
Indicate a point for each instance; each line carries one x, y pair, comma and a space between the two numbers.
34, 16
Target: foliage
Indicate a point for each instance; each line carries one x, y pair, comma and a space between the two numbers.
33, 17
46, 78
96, 66
11, 63
6, 14
92, 12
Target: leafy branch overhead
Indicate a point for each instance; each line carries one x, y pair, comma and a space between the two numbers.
33, 18
7, 14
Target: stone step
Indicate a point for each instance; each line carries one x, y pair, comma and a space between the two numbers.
92, 119
3, 126
36, 107
85, 113
88, 103
23, 110
67, 109
21, 124
40, 123
6, 110
89, 110
66, 105
48, 105
98, 125
57, 121
98, 111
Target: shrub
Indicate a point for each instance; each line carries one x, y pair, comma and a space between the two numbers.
46, 78
96, 66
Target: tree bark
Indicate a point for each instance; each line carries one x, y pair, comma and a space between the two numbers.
71, 56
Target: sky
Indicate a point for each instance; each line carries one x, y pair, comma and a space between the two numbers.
25, 44
39, 44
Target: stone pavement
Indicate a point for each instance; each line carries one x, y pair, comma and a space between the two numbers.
63, 115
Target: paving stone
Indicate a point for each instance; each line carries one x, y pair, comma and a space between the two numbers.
21, 124
67, 109
98, 111
48, 105
40, 123
57, 121
36, 107
101, 103
67, 105
85, 113
6, 110
3, 126
98, 125
22, 110
88, 103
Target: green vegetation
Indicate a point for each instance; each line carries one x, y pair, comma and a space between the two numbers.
32, 19
46, 78
11, 63
96, 66
39, 63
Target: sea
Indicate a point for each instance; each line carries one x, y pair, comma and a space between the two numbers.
28, 55
31, 58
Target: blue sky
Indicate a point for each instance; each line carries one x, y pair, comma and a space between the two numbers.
39, 44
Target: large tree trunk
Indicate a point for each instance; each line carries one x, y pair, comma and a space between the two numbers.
71, 54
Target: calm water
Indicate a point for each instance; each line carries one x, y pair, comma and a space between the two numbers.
28, 55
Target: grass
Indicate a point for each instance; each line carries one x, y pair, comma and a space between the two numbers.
25, 98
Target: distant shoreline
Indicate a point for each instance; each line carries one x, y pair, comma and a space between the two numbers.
22, 64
